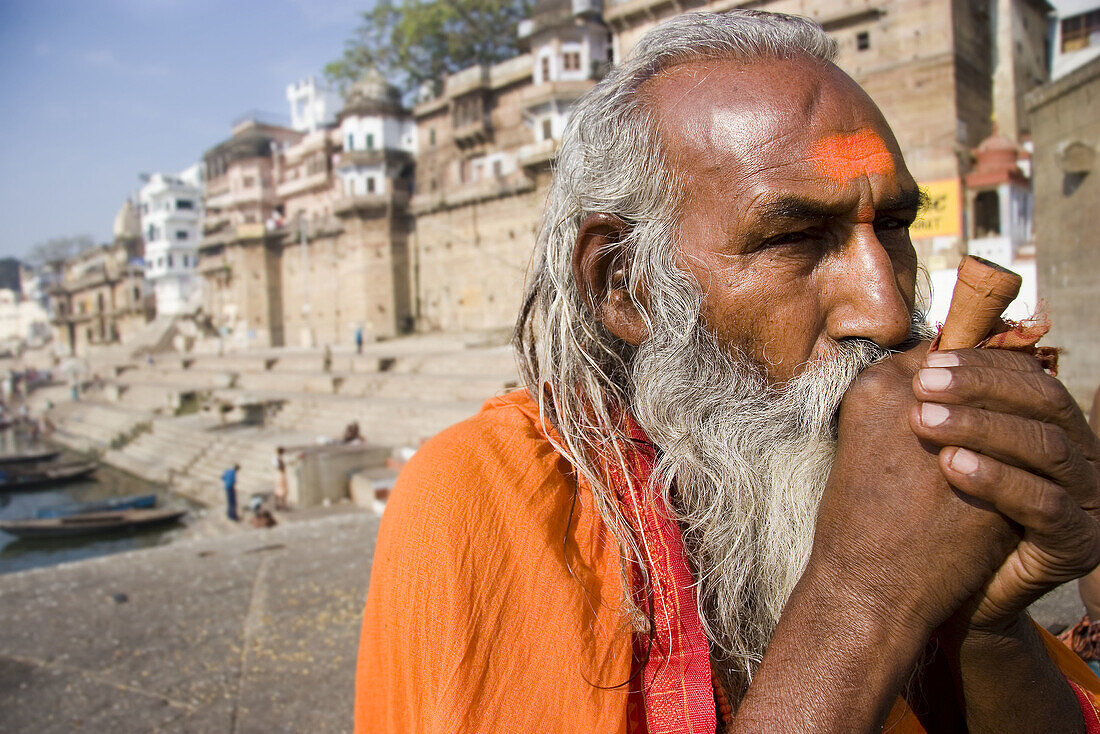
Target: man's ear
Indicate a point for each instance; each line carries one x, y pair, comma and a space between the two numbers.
599, 268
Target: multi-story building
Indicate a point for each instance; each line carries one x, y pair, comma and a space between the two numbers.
345, 190
1076, 35
100, 296
238, 254
485, 144
171, 216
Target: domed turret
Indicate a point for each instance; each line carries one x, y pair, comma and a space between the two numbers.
372, 94
995, 161
127, 225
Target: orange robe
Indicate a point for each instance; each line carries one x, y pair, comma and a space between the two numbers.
494, 602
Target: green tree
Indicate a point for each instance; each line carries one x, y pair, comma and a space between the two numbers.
415, 41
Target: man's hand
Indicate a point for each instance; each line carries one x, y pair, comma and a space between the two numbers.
892, 534
896, 551
1010, 435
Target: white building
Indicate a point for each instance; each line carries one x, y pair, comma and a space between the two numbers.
378, 136
569, 46
171, 225
312, 105
22, 321
1076, 35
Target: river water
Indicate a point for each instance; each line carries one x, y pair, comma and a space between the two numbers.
17, 554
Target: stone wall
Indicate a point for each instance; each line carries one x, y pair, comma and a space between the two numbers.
1065, 125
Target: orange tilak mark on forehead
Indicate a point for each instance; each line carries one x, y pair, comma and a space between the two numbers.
845, 157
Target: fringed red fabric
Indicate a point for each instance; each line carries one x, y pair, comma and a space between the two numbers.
1021, 336
677, 692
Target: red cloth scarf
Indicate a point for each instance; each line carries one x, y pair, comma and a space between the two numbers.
677, 688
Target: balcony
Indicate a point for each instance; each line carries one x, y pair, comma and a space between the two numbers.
466, 80
471, 133
372, 157
293, 186
537, 154
214, 222
564, 93
369, 204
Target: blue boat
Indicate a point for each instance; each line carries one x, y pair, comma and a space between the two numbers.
112, 504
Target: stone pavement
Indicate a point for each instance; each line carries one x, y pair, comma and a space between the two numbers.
249, 632
254, 631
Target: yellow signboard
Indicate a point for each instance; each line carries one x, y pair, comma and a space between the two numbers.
942, 216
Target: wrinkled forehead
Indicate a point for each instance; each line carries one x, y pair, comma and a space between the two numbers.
722, 113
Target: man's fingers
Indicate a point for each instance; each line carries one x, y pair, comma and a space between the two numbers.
1053, 519
1002, 358
1005, 389
1041, 448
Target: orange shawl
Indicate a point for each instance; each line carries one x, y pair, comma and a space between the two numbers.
494, 602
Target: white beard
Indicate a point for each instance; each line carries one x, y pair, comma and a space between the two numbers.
743, 464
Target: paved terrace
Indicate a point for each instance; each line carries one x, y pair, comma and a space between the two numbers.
249, 632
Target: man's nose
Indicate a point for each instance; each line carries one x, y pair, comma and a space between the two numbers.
865, 299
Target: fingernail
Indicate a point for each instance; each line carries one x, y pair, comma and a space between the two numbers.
964, 462
934, 379
932, 414
942, 359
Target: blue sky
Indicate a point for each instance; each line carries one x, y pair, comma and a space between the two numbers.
96, 92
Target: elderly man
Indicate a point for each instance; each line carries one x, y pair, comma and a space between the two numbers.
738, 494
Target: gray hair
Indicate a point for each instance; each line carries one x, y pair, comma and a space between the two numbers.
611, 161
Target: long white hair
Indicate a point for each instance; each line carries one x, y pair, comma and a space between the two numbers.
611, 161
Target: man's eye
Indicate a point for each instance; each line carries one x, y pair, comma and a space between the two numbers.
789, 238
892, 223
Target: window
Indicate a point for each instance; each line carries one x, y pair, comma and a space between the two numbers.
498, 169
185, 204
863, 41
137, 294
181, 234
546, 68
248, 182
547, 129
987, 214
169, 260
571, 61
370, 184
1081, 31
370, 141
431, 137
350, 143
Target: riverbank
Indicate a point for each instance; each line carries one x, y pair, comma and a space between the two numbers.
244, 632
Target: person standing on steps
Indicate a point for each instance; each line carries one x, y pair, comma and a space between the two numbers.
229, 481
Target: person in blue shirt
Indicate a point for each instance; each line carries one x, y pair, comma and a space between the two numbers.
229, 480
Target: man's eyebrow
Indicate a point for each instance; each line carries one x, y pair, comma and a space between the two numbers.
798, 208
792, 207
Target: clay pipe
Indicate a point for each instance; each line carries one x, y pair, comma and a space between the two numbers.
982, 293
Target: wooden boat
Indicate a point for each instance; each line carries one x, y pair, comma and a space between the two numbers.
111, 504
91, 523
14, 478
26, 457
